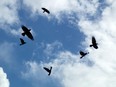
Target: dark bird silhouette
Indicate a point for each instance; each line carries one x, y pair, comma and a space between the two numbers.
46, 10
48, 70
94, 44
22, 41
27, 32
83, 54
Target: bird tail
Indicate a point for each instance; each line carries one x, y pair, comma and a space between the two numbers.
23, 34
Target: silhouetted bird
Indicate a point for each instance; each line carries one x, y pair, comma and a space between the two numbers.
94, 44
46, 10
22, 41
48, 70
27, 32
83, 54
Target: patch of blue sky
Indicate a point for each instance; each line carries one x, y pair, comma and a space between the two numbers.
49, 31
46, 32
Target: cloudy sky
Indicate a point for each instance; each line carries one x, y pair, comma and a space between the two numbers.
58, 38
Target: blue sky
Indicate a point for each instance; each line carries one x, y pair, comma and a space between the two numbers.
58, 38
46, 32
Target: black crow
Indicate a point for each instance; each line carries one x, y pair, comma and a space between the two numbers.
48, 70
94, 44
27, 32
46, 10
83, 54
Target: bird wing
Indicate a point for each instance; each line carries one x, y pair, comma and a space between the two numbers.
46, 10
22, 41
46, 69
93, 40
29, 35
24, 28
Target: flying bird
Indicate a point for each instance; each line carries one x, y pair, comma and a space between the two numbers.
22, 42
45, 10
48, 70
27, 32
83, 54
94, 44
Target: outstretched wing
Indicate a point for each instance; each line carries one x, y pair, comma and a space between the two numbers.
24, 28
30, 35
46, 10
46, 69
93, 40
22, 41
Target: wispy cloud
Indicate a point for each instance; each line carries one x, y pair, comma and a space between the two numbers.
47, 51
37, 75
58, 8
52, 49
9, 13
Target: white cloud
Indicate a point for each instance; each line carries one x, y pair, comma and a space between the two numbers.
52, 49
8, 12
4, 82
73, 72
9, 15
32, 68
38, 76
16, 32
60, 7
104, 31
